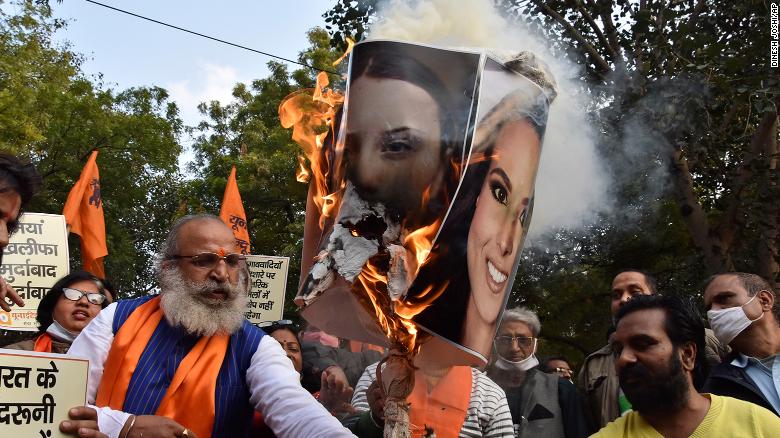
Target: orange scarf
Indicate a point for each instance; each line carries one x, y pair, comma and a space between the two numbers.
190, 398
444, 408
43, 343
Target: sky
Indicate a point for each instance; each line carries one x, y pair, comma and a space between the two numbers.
131, 52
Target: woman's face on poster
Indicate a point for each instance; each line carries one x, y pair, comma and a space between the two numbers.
501, 209
394, 141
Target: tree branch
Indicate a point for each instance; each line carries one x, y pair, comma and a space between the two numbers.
596, 29
597, 59
611, 34
715, 258
760, 145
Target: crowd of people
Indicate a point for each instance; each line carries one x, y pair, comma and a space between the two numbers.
185, 362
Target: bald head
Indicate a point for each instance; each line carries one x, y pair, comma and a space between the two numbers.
198, 225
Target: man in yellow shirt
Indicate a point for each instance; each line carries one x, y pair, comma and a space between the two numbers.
659, 358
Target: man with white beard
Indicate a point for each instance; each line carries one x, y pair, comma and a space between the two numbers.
185, 362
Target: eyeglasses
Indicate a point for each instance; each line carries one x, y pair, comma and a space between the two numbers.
75, 295
273, 323
208, 260
562, 370
522, 341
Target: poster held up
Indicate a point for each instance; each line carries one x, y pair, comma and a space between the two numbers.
37, 390
35, 258
434, 162
267, 285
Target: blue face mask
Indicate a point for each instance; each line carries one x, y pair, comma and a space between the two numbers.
729, 323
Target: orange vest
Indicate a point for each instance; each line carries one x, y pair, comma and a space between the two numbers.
444, 408
189, 399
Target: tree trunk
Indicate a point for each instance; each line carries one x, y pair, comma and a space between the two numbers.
768, 253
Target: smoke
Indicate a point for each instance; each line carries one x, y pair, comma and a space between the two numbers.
571, 186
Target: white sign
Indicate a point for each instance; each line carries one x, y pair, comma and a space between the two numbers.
268, 282
35, 258
37, 390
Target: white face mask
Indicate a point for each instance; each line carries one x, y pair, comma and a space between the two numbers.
61, 333
729, 323
520, 365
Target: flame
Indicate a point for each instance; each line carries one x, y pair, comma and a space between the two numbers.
312, 116
420, 241
350, 45
401, 332
302, 175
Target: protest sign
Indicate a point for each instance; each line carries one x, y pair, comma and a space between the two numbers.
37, 390
36, 256
268, 281
427, 199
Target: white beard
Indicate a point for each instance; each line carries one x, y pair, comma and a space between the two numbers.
184, 304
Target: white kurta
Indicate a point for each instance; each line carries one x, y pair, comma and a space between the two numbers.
274, 386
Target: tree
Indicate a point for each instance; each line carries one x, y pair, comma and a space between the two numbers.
54, 116
247, 133
688, 85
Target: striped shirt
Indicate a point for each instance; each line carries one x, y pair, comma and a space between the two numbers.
488, 413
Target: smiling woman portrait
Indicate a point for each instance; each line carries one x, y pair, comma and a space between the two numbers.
480, 241
65, 310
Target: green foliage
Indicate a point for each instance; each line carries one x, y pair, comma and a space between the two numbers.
687, 115
247, 133
54, 116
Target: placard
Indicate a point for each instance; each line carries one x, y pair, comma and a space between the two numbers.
35, 258
37, 390
268, 282
427, 198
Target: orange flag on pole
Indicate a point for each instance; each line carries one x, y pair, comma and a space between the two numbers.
232, 213
84, 215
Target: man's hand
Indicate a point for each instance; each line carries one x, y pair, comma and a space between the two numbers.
154, 426
375, 401
335, 392
83, 423
6, 291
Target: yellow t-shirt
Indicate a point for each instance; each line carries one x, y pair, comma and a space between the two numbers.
727, 417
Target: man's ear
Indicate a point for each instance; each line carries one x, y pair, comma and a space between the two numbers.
688, 355
767, 300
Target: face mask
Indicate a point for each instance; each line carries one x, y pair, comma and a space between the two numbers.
521, 365
322, 337
728, 323
61, 333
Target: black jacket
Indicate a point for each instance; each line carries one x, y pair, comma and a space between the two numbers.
733, 381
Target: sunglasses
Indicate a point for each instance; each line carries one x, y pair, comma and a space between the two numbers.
208, 260
508, 341
281, 323
75, 295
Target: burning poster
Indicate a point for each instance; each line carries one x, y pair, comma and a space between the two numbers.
400, 167
477, 250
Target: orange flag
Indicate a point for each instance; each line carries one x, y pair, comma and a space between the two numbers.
84, 215
232, 213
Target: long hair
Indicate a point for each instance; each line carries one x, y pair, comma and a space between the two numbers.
447, 266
